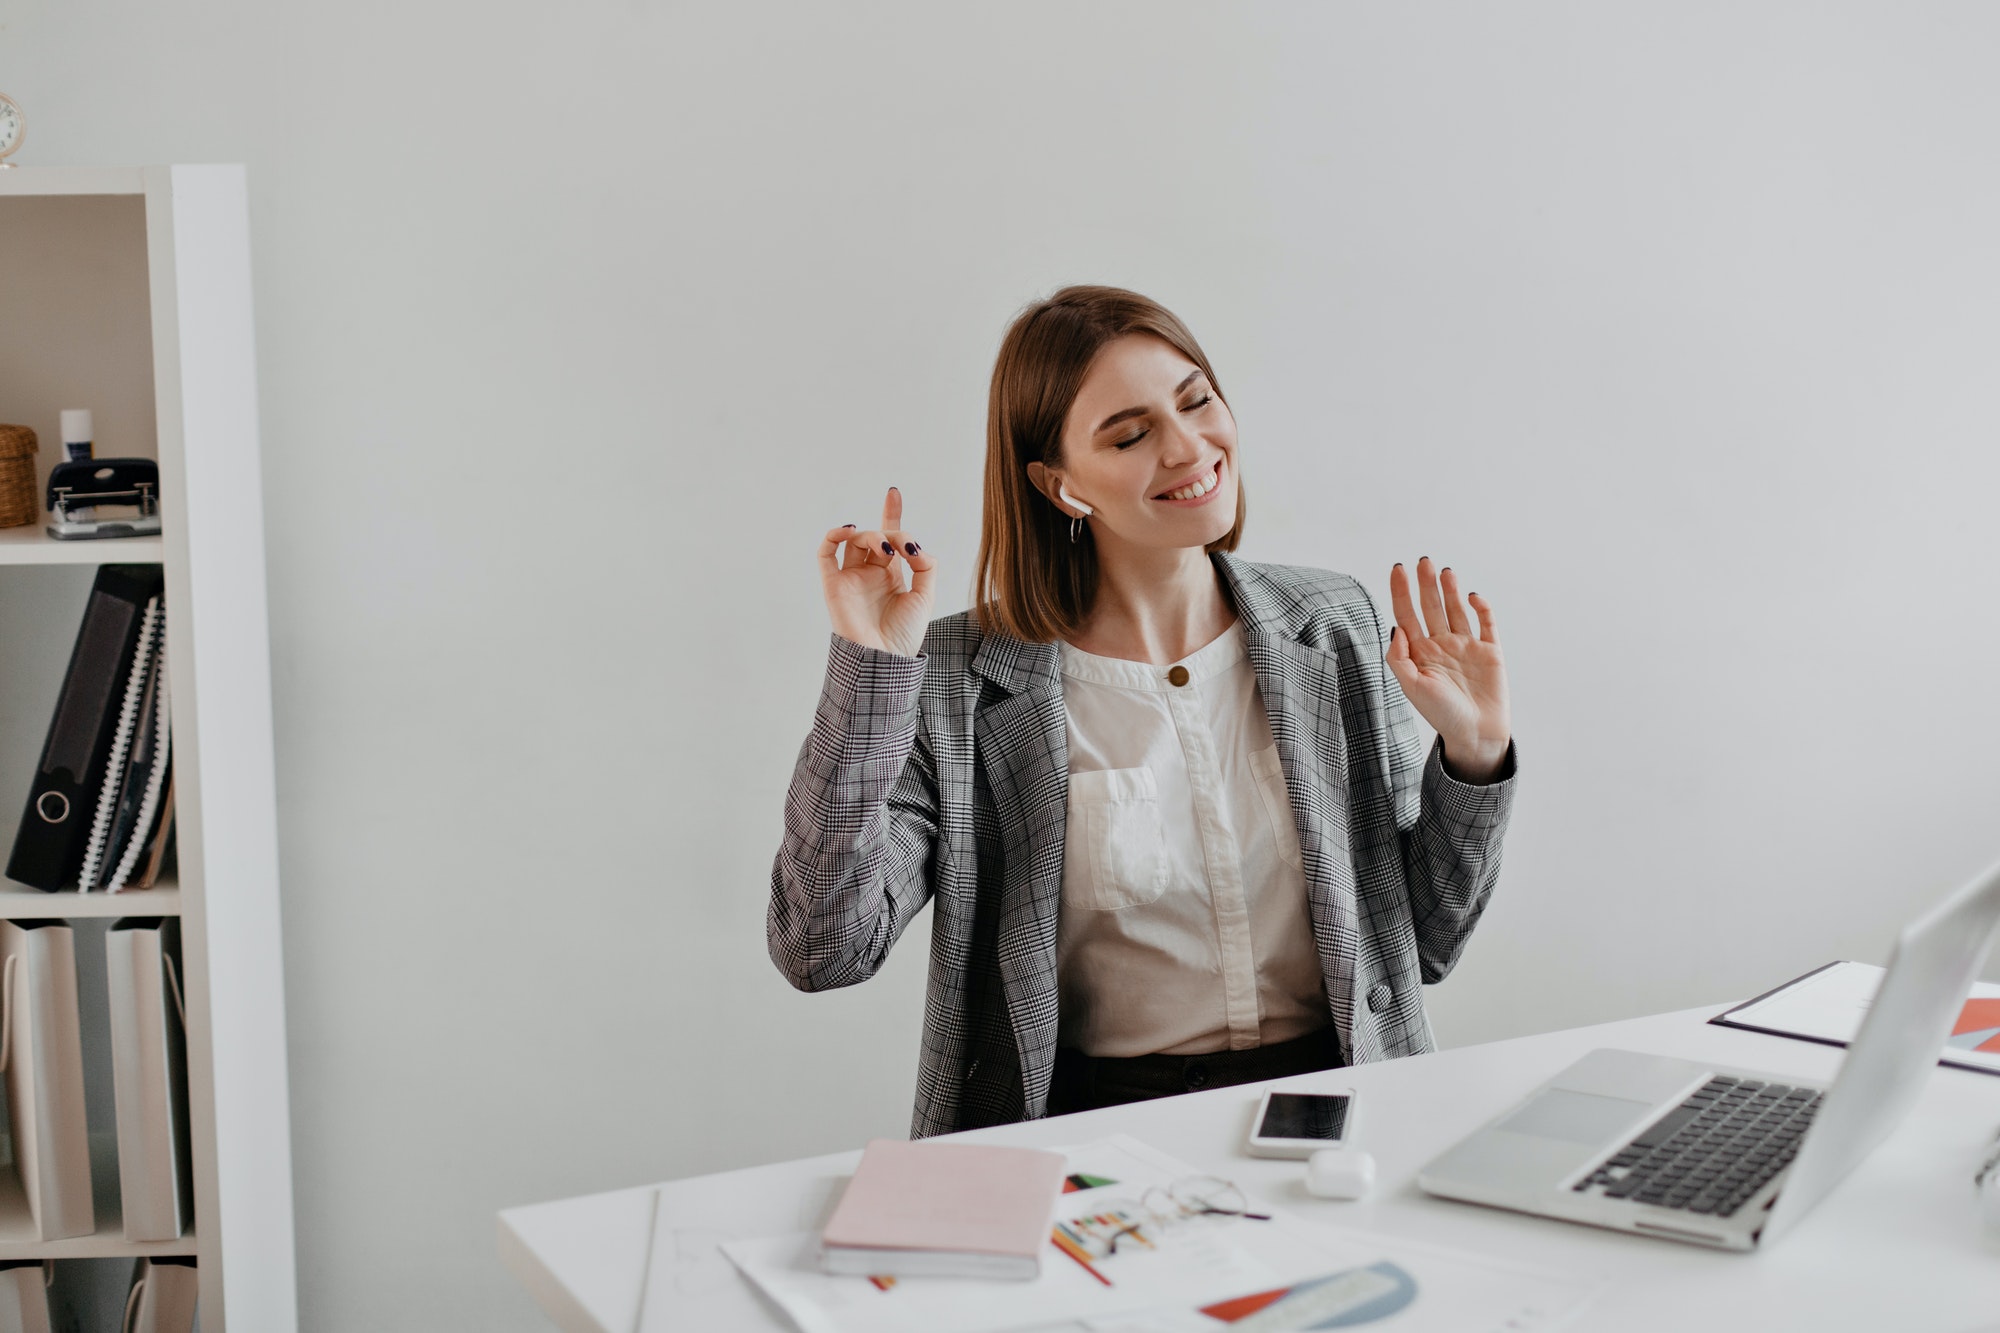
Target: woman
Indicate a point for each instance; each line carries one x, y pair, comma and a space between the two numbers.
1170, 808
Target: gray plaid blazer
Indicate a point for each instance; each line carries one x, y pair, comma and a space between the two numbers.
944, 778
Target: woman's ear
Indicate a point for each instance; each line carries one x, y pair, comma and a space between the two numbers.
1048, 483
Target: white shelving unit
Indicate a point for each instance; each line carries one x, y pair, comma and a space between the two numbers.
127, 291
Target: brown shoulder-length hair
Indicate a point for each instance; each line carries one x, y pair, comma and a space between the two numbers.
1031, 581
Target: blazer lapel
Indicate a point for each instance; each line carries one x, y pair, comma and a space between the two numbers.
1022, 741
1300, 685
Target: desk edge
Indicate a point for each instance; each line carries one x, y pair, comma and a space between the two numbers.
541, 1284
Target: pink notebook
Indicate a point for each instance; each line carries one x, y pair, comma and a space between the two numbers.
928, 1209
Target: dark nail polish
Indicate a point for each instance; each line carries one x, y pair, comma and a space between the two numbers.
1392, 634
888, 549
1445, 570
910, 547
1399, 564
847, 525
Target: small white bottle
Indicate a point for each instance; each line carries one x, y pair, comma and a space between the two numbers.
76, 433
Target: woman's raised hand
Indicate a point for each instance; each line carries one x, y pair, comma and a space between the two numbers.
864, 588
1450, 675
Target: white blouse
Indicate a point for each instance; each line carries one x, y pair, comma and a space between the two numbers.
1184, 926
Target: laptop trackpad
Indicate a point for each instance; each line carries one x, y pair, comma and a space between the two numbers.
1576, 1117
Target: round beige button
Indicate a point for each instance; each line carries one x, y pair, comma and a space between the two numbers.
1178, 675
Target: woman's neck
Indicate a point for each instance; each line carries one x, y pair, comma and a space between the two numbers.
1154, 605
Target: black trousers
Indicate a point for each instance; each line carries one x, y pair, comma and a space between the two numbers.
1087, 1082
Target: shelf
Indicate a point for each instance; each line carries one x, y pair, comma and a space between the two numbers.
128, 291
19, 180
32, 546
108, 1242
20, 902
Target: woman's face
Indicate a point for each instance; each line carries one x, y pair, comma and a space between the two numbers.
1145, 433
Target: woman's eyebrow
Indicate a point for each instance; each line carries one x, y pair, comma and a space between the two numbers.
1117, 417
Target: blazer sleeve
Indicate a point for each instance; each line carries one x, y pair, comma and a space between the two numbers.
861, 822
1450, 831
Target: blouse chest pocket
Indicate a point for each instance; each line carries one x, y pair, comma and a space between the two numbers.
1114, 845
1270, 774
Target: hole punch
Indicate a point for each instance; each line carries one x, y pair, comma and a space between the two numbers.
107, 497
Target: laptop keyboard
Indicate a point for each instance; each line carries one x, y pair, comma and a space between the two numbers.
1714, 1151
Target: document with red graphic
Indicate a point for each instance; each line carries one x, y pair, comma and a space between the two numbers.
1142, 1241
1827, 1005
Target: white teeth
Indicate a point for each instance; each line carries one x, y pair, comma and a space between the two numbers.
1199, 489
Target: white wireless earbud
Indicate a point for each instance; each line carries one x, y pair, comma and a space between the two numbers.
1063, 491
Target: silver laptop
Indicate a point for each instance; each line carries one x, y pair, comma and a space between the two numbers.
1719, 1156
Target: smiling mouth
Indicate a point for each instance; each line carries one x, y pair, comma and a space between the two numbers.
1197, 489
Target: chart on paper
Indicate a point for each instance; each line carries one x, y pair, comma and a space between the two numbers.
1269, 1273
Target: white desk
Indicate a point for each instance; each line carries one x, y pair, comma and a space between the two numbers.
1897, 1246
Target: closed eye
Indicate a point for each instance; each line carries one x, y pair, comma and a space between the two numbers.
1193, 407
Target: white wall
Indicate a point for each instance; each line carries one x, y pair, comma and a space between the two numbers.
1671, 327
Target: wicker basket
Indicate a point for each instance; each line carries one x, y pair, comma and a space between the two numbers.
19, 505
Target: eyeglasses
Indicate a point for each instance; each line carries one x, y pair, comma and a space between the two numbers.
1157, 1210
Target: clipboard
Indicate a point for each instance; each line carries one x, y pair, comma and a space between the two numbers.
1825, 1005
